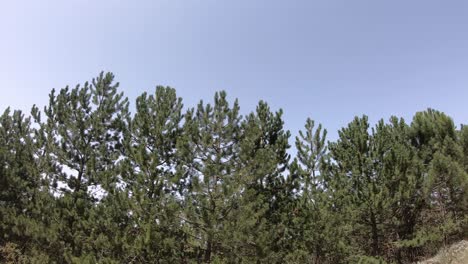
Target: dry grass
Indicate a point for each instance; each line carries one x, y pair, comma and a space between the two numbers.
455, 254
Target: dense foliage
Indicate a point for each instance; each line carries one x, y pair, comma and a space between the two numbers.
86, 181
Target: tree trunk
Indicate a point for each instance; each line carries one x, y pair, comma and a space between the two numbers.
208, 251
375, 235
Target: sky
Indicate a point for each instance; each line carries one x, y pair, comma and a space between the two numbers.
328, 60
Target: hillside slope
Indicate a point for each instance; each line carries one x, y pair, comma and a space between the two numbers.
455, 254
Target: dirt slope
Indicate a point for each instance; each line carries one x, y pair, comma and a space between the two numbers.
455, 254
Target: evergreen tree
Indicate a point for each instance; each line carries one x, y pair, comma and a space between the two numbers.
150, 179
266, 205
356, 153
212, 191
439, 150
401, 184
84, 131
23, 191
321, 239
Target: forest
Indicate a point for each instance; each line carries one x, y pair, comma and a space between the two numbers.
86, 179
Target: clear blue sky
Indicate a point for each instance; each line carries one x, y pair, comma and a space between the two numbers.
328, 60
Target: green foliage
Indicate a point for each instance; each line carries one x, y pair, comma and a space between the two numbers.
86, 181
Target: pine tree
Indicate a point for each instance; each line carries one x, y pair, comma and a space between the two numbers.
23, 193
435, 136
355, 153
151, 182
266, 205
320, 223
212, 134
84, 130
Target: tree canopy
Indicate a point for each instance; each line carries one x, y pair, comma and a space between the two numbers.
85, 180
